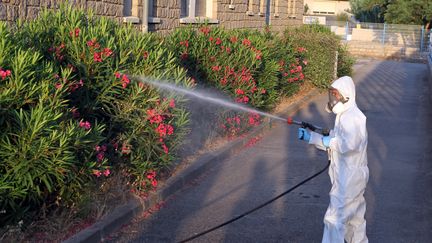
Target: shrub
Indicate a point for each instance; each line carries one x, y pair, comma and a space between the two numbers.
72, 114
321, 46
345, 61
250, 66
72, 111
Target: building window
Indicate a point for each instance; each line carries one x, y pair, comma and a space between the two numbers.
292, 9
131, 8
198, 11
130, 11
152, 18
127, 8
250, 11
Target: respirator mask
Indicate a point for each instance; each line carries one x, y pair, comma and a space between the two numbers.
336, 101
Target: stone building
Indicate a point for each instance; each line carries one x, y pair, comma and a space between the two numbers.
164, 15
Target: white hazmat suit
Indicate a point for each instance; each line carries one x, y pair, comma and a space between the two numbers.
348, 171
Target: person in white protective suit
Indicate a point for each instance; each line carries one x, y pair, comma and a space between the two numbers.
348, 171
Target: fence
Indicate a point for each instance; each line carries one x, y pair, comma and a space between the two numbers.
406, 36
430, 51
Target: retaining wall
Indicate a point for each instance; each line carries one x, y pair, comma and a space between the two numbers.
386, 51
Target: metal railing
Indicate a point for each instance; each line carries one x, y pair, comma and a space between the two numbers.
413, 36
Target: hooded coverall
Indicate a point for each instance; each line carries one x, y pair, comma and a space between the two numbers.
348, 171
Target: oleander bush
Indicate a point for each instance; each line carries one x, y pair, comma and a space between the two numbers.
73, 111
252, 67
71, 114
321, 46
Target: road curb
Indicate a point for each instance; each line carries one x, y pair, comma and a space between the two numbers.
123, 214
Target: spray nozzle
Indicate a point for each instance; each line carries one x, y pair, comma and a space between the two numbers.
323, 131
290, 120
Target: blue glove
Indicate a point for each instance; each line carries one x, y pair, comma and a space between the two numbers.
304, 134
326, 141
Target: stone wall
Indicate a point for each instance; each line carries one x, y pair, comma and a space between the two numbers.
231, 14
387, 51
11, 10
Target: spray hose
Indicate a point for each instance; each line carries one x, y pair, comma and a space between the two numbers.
258, 207
322, 131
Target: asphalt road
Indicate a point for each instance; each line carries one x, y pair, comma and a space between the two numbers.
396, 99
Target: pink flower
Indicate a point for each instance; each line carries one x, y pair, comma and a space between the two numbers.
184, 43
58, 85
85, 124
125, 81
97, 173
301, 49
91, 42
107, 52
4, 74
145, 54
216, 68
107, 172
151, 174
223, 81
299, 68
97, 57
239, 92
172, 103
165, 148
170, 129
117, 74
164, 129
115, 146
246, 42
301, 76
75, 32
305, 62
233, 39
100, 156
154, 182
205, 30
154, 117
218, 41
126, 148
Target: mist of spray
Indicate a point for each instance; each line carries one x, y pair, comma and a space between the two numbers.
205, 97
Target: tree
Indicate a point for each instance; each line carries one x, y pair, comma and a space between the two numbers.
369, 10
409, 12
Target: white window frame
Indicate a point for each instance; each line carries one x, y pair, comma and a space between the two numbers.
250, 11
292, 9
193, 19
133, 17
147, 14
276, 13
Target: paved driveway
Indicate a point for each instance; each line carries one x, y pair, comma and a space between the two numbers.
394, 96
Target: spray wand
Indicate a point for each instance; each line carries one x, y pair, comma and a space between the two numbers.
313, 128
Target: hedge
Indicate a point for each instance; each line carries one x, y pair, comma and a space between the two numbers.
72, 115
